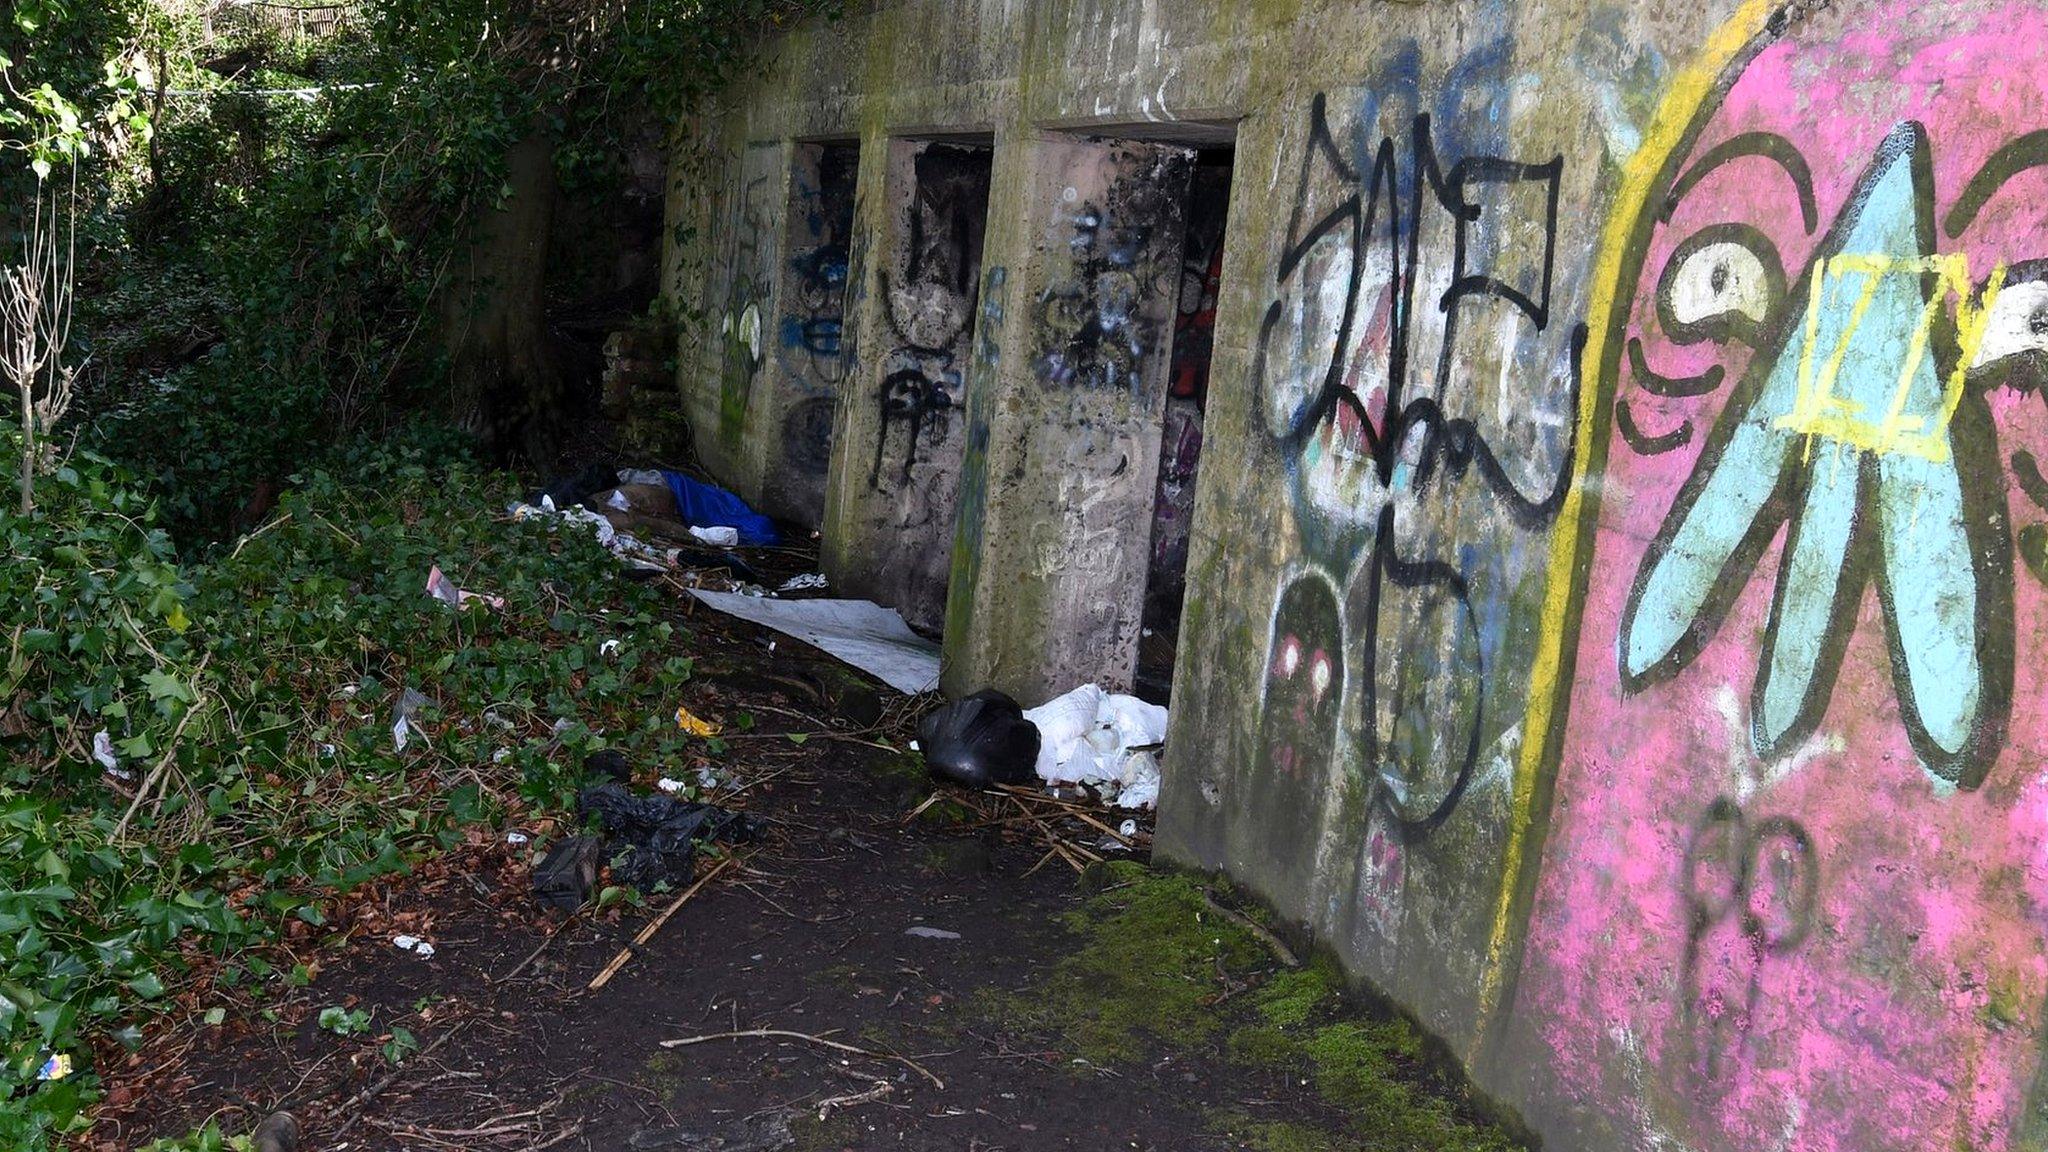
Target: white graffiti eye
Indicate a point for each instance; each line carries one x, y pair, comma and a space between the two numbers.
750, 330
1719, 279
1290, 659
1319, 675
1723, 282
2017, 322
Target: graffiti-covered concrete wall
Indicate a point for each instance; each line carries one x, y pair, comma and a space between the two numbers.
1618, 562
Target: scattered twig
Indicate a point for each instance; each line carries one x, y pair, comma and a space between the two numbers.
346, 538
533, 955
1067, 851
574, 1131
244, 541
1043, 860
361, 1100
881, 1088
164, 762
1277, 946
625, 954
770, 901
780, 1034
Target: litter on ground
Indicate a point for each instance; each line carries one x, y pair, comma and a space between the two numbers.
694, 724
1106, 741
864, 634
443, 589
979, 741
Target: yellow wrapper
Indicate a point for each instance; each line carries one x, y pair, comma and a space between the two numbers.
690, 722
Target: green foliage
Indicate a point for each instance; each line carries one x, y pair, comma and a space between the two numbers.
344, 1022
68, 82
401, 1045
207, 1139
251, 699
288, 260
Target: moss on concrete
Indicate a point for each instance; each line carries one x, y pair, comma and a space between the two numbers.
1275, 1135
1152, 967
1142, 972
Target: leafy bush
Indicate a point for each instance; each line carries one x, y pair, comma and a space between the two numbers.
247, 705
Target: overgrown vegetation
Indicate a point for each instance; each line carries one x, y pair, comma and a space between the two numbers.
288, 223
1153, 967
197, 757
302, 225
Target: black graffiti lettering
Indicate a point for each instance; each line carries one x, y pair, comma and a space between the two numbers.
1416, 438
929, 306
909, 398
1095, 327
1762, 880
1646, 444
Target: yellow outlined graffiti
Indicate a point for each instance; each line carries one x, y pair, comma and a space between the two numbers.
1817, 411
1606, 311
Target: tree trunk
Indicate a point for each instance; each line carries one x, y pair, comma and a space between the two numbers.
505, 384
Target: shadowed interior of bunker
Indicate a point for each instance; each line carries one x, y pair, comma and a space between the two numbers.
812, 339
1180, 445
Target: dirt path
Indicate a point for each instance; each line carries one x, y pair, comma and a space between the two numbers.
961, 962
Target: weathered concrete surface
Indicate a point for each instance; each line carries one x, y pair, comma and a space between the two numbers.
1617, 577
901, 439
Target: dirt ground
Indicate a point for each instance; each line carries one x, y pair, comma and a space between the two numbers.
814, 931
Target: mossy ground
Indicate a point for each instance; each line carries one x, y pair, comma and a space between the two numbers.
1154, 968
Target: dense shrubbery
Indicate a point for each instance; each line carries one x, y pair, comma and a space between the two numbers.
221, 593
272, 265
258, 689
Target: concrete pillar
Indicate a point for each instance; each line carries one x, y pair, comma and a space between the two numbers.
1052, 555
900, 440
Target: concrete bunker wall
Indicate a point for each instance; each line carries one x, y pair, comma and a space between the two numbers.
1620, 555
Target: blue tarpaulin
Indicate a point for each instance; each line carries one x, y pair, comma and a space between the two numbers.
709, 506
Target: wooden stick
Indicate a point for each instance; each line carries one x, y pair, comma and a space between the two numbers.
244, 541
612, 969
778, 1033
356, 1104
163, 765
535, 954
1077, 811
1053, 838
1278, 947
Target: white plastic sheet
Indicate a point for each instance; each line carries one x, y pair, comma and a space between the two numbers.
1092, 737
866, 635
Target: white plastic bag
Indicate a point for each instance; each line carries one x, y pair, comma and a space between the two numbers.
1089, 737
1063, 723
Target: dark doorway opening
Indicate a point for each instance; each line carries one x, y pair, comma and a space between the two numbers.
1180, 443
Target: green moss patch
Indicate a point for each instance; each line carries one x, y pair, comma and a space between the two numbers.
1154, 968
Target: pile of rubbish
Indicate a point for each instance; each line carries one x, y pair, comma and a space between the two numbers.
1104, 742
629, 508
650, 839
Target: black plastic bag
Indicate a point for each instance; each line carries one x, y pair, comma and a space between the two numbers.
659, 833
568, 873
608, 762
979, 741
578, 487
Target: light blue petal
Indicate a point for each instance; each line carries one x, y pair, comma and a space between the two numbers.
1690, 568
1933, 594
1810, 584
